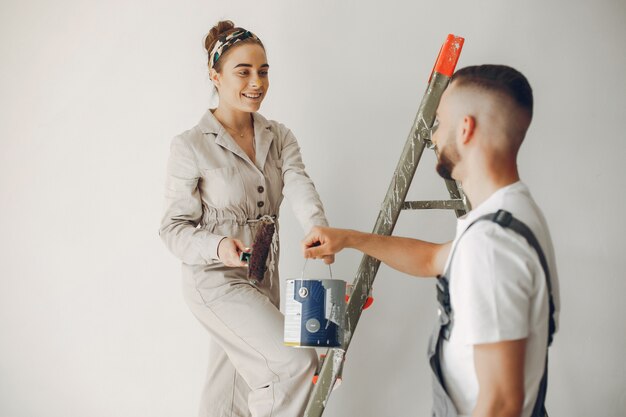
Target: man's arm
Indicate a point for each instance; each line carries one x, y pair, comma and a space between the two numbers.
500, 373
411, 256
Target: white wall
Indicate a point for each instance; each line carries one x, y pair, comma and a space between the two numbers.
92, 321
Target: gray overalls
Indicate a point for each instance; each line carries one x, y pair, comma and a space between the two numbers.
442, 404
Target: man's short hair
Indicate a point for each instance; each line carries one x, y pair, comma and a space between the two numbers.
500, 79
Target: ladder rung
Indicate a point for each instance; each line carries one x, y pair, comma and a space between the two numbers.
455, 204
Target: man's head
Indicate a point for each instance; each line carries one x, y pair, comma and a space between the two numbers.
483, 117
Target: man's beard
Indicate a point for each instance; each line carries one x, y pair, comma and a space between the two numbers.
445, 164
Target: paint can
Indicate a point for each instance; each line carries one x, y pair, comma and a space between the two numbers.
314, 312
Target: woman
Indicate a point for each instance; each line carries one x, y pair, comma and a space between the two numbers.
223, 175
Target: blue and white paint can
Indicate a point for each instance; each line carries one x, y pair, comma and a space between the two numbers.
314, 312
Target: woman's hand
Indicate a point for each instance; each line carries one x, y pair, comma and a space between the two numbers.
229, 250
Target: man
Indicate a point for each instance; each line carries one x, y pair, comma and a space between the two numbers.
499, 300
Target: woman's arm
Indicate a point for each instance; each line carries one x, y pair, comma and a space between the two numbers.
183, 209
298, 187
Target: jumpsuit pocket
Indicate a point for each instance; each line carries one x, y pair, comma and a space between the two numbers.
222, 187
274, 171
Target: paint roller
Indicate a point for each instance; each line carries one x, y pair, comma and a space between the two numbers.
257, 257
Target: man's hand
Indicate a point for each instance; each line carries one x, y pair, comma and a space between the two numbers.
324, 242
411, 256
229, 251
328, 259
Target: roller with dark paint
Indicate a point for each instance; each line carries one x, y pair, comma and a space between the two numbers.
260, 250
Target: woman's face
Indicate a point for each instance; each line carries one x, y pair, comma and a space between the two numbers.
244, 80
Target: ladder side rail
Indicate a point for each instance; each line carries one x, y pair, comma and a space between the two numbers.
417, 140
456, 193
394, 200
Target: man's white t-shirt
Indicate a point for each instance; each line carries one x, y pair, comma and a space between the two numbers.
498, 292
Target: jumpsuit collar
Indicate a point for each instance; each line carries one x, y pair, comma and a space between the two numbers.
262, 135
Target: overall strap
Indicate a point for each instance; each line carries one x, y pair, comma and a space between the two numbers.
506, 220
443, 284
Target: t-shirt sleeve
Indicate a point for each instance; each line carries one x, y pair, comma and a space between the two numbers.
491, 285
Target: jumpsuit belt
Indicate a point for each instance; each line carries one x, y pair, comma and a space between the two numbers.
212, 219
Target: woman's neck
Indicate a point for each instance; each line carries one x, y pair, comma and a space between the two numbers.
240, 126
233, 119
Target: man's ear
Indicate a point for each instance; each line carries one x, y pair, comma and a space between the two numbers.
467, 129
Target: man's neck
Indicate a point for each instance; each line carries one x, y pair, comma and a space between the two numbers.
481, 185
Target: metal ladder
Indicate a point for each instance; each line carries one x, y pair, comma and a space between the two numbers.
394, 202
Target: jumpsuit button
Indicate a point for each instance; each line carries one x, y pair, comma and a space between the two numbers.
260, 189
258, 216
260, 204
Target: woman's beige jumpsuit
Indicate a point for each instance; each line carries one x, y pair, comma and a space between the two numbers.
213, 190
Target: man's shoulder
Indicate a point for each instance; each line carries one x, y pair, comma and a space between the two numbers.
517, 200
486, 237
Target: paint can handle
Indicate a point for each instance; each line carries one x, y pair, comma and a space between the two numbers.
330, 271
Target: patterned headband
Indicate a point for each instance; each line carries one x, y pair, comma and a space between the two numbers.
226, 42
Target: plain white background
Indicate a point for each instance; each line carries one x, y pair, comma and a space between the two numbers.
92, 321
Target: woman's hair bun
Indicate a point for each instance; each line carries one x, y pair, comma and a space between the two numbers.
216, 31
